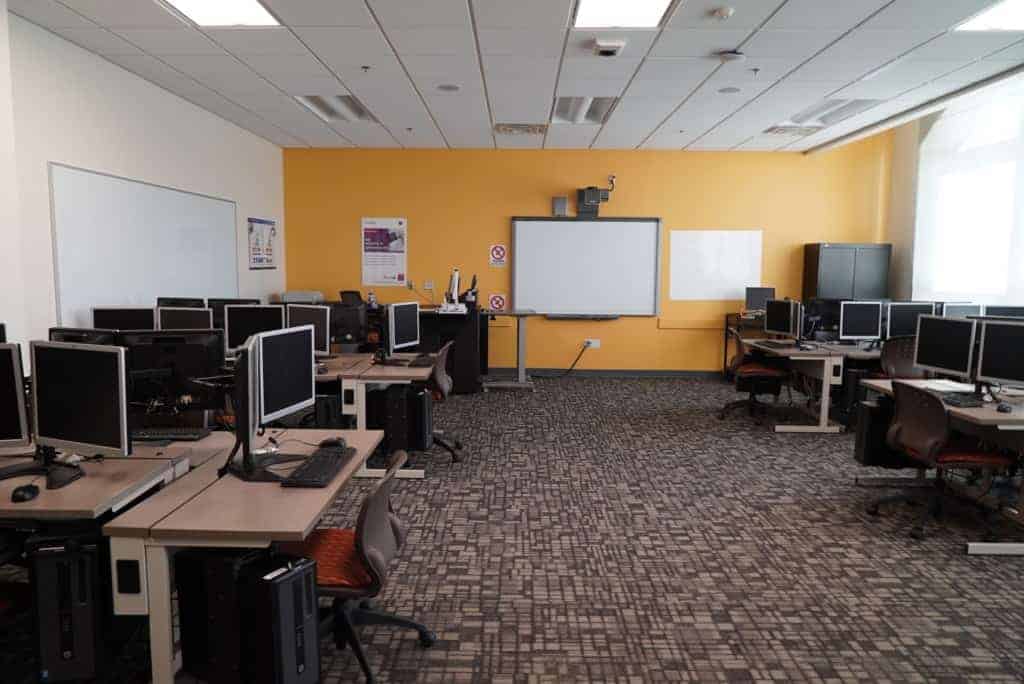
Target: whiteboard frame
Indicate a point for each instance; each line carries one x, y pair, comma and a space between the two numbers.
53, 221
577, 219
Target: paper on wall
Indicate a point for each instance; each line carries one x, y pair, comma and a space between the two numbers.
385, 251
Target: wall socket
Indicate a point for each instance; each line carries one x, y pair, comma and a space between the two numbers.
428, 284
411, 285
592, 343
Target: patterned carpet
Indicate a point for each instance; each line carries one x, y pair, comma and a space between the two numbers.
615, 530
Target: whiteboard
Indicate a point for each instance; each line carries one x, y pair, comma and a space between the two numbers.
589, 267
119, 242
714, 265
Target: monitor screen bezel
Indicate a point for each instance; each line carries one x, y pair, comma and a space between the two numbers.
392, 346
231, 351
189, 309
19, 380
970, 356
945, 311
746, 299
785, 333
152, 311
888, 315
842, 318
78, 447
264, 418
327, 322
981, 354
986, 314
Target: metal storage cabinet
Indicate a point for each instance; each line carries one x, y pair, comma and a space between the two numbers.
846, 271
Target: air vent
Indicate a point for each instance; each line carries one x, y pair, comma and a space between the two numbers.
335, 108
520, 129
793, 131
831, 112
582, 110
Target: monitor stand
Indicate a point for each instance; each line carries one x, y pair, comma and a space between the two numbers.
255, 466
381, 359
58, 475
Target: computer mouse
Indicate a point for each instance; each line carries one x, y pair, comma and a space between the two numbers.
321, 369
333, 442
1004, 408
24, 493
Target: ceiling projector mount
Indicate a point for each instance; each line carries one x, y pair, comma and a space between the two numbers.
588, 200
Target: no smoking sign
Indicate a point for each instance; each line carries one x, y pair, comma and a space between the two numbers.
497, 302
499, 255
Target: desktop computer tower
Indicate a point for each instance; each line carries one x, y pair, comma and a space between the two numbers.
279, 596
421, 420
69, 607
871, 447
404, 414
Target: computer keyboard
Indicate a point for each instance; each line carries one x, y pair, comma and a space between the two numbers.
962, 400
170, 434
422, 361
320, 468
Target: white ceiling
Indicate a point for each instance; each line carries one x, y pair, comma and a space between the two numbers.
511, 57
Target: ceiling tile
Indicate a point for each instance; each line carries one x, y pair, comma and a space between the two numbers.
1014, 53
768, 69
100, 41
686, 69
522, 13
262, 40
818, 15
48, 13
647, 88
520, 101
571, 136
972, 73
386, 72
365, 134
431, 72
638, 42
404, 14
669, 139
964, 47
910, 74
434, 40
698, 14
880, 46
464, 119
306, 84
520, 68
598, 68
176, 41
871, 90
321, 12
764, 143
697, 42
789, 43
590, 87
121, 14
154, 70
347, 45
524, 42
418, 136
519, 142
926, 14
832, 70
223, 74
296, 74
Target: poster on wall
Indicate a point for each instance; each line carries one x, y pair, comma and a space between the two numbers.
385, 251
262, 239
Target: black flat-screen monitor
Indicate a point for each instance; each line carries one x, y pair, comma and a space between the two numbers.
781, 317
217, 305
162, 363
860, 320
1005, 311
83, 335
3, 333
757, 298
1001, 361
287, 377
79, 398
317, 316
902, 318
956, 310
124, 318
242, 322
403, 326
181, 302
184, 318
13, 416
945, 345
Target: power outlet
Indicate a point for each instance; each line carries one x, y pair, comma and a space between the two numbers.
592, 343
411, 285
428, 284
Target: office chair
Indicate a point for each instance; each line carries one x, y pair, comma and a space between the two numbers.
440, 386
921, 430
898, 359
351, 297
754, 377
352, 567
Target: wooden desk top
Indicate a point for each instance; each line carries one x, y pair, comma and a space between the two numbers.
396, 373
986, 416
231, 511
345, 366
790, 352
106, 485
138, 521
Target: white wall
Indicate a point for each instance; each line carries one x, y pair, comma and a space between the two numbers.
73, 107
12, 305
903, 208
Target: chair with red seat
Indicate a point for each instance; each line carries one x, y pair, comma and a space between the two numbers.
898, 359
352, 567
753, 377
921, 429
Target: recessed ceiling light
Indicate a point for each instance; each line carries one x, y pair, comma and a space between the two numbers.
225, 12
1007, 15
621, 13
449, 88
731, 90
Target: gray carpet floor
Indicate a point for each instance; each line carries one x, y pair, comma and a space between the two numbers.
615, 530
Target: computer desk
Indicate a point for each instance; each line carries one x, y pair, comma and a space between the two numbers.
1005, 429
204, 511
820, 363
522, 379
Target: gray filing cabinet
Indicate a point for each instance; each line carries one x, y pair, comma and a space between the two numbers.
846, 271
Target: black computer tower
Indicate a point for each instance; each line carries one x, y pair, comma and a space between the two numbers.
871, 447
281, 614
420, 419
405, 414
69, 607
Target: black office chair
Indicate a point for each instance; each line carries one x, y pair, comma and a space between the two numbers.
753, 376
351, 297
898, 359
440, 386
352, 567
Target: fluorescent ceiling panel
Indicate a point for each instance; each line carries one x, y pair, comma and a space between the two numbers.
225, 12
620, 14
1006, 16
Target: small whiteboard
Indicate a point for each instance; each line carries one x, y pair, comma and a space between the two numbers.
714, 265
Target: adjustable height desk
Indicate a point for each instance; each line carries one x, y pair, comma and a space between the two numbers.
522, 380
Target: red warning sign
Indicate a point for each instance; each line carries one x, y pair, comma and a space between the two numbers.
499, 255
497, 302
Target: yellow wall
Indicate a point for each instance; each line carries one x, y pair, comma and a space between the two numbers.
460, 202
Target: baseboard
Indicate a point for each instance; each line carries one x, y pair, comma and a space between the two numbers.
559, 372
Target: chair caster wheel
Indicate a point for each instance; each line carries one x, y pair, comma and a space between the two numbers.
427, 639
458, 446
917, 533
873, 511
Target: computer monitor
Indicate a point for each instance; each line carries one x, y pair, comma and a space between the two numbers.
782, 317
1004, 311
243, 321
403, 326
902, 317
83, 335
184, 318
287, 372
860, 320
945, 345
1000, 361
957, 310
13, 416
124, 318
317, 316
3, 333
163, 363
757, 298
181, 302
217, 305
80, 398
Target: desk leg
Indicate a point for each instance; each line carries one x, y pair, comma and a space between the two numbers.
161, 625
522, 380
377, 473
824, 425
